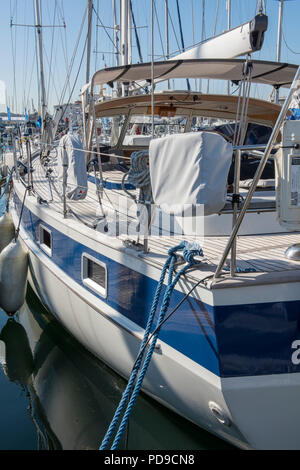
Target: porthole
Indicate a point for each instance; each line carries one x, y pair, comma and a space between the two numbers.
45, 238
94, 275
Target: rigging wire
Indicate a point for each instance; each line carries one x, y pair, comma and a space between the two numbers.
97, 34
214, 33
30, 80
51, 55
25, 62
105, 29
174, 31
64, 40
37, 61
13, 49
79, 68
193, 32
57, 67
203, 35
182, 39
203, 32
50, 74
159, 30
180, 25
67, 81
193, 21
288, 47
136, 33
216, 18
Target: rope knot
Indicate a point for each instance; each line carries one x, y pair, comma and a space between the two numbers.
189, 251
139, 174
173, 251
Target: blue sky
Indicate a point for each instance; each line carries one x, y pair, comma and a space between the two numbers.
18, 57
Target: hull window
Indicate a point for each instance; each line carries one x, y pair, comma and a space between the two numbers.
46, 240
94, 275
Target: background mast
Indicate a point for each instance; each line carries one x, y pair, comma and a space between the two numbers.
116, 33
124, 11
41, 66
90, 7
228, 27
167, 34
279, 42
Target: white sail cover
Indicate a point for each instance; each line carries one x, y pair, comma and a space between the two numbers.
244, 39
71, 159
190, 170
237, 41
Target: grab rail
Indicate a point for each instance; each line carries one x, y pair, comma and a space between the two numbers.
232, 240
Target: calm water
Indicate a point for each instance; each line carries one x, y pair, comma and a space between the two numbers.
56, 395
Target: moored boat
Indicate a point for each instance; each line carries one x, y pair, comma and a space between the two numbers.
231, 341
184, 183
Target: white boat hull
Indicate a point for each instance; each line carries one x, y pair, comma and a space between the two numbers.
258, 412
118, 347
250, 410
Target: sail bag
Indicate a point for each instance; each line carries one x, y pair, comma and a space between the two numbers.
70, 159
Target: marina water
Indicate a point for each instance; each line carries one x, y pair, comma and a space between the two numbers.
55, 395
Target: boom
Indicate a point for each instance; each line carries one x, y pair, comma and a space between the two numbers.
239, 41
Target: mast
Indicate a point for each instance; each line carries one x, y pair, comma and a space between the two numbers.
116, 35
129, 34
124, 8
152, 67
228, 14
167, 34
279, 35
89, 40
125, 40
41, 66
228, 27
279, 41
202, 34
167, 29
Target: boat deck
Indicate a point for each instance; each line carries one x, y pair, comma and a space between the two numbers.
256, 254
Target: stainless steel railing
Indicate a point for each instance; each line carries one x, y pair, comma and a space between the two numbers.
231, 244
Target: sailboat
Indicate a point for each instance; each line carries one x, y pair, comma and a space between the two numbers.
157, 199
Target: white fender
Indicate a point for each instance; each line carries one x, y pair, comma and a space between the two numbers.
13, 277
7, 230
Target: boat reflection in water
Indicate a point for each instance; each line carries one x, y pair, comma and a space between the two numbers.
72, 396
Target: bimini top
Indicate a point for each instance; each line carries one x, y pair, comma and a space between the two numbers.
267, 73
183, 103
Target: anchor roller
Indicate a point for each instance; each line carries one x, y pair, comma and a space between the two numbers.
7, 230
13, 277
